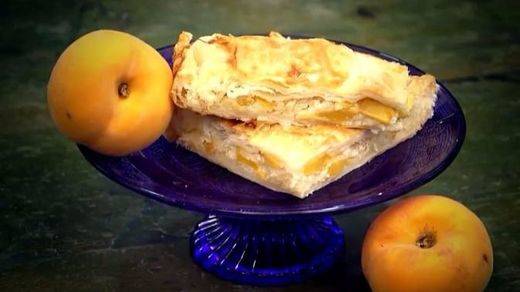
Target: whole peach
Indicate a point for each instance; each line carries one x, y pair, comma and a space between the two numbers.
427, 243
110, 91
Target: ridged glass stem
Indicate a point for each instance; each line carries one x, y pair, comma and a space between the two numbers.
267, 252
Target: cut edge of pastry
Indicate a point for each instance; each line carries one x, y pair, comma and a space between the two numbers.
355, 153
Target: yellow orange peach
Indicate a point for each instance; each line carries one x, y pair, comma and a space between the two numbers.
427, 243
110, 91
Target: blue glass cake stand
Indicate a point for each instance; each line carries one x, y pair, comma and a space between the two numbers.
256, 236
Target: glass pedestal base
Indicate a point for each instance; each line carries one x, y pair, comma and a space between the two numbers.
267, 252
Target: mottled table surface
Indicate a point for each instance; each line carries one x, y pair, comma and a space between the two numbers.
63, 226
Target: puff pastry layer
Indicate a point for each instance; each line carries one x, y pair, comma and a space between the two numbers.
291, 159
292, 82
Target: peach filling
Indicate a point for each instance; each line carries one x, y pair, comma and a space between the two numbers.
376, 110
316, 164
337, 166
272, 160
250, 163
366, 106
250, 100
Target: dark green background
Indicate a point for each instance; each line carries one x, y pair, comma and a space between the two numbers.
63, 226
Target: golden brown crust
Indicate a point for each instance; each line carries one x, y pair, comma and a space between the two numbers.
281, 63
216, 73
183, 43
